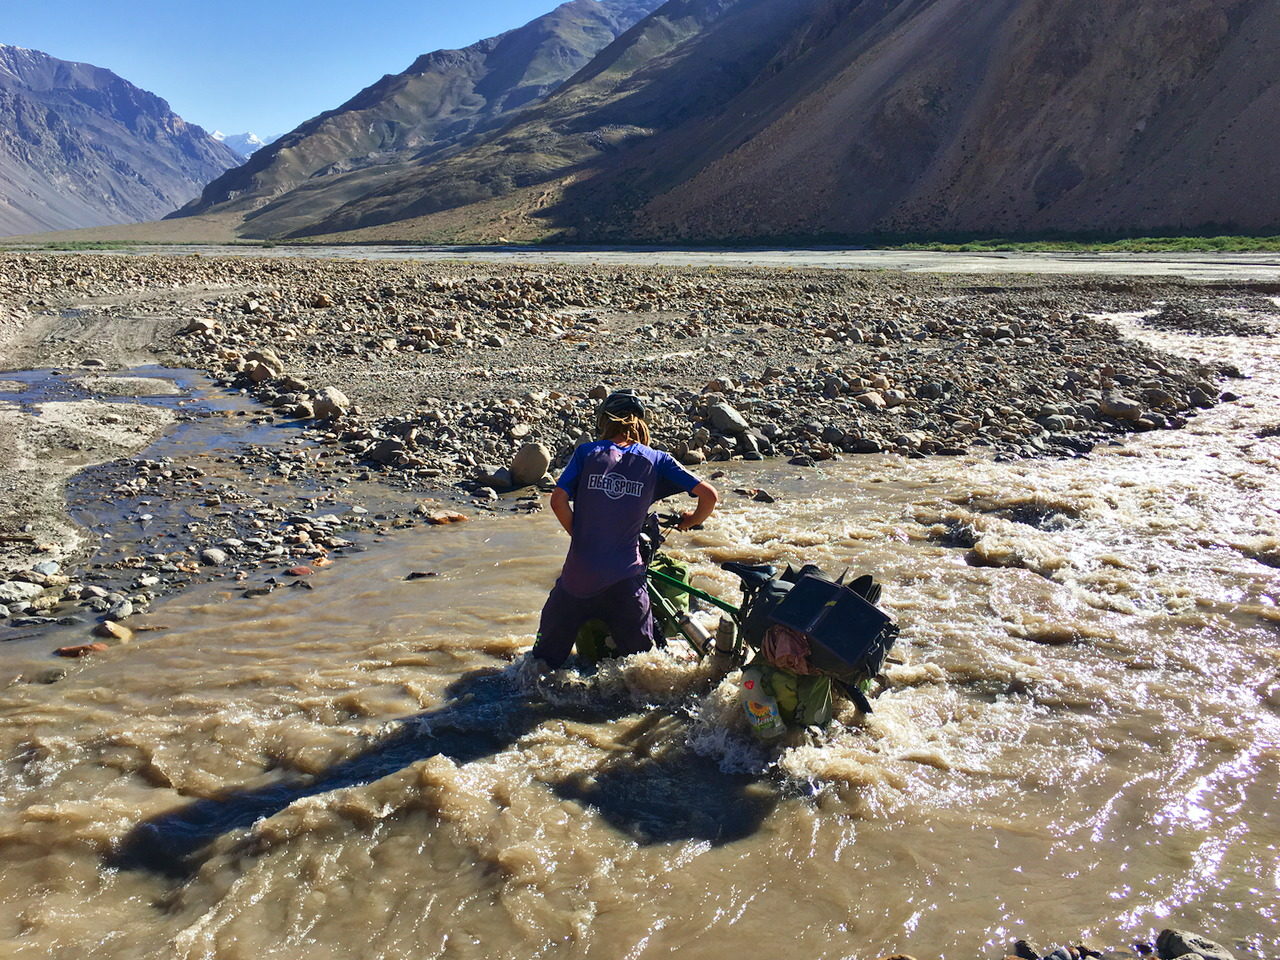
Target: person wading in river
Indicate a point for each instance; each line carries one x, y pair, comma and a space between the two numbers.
602, 500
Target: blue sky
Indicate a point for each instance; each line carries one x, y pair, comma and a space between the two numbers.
262, 66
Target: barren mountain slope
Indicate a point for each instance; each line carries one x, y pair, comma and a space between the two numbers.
80, 147
1010, 116
740, 119
675, 66
408, 117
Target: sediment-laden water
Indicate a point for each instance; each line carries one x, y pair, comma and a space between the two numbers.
1083, 735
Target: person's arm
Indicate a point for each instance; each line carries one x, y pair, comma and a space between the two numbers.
561, 496
563, 510
707, 500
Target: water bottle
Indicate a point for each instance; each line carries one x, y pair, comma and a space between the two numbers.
694, 632
760, 707
726, 636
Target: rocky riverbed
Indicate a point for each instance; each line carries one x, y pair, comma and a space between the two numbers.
464, 381
1080, 736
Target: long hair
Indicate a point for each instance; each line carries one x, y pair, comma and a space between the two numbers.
630, 427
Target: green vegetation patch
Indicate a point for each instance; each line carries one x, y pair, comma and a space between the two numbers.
1227, 244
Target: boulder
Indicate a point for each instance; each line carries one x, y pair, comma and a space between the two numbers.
1172, 944
200, 325
1119, 407
727, 420
267, 358
492, 475
530, 464
257, 372
16, 591
389, 451
330, 403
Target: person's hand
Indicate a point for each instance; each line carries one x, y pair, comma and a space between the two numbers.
687, 521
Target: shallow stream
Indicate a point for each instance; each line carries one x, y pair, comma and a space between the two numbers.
1082, 736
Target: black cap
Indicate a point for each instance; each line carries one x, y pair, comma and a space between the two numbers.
623, 403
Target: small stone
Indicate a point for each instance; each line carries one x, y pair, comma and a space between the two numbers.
440, 517
299, 571
1200, 397
82, 649
47, 568
213, 557
762, 496
421, 575
110, 630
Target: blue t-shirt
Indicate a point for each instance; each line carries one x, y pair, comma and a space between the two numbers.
612, 489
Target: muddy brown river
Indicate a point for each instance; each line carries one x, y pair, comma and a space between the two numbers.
1082, 736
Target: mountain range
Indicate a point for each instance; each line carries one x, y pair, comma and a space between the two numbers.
407, 119
739, 120
803, 120
80, 146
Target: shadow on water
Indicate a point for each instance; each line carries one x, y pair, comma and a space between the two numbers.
653, 796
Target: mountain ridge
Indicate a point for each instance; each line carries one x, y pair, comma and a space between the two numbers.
443, 96
856, 118
81, 146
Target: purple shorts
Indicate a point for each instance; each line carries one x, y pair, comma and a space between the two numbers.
624, 608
